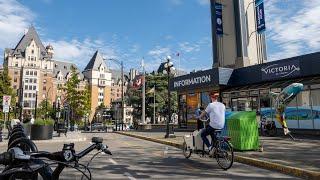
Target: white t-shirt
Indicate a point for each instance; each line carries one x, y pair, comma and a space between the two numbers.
216, 111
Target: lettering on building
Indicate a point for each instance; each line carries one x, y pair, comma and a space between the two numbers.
281, 70
192, 81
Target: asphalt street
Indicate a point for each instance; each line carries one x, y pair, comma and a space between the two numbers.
138, 159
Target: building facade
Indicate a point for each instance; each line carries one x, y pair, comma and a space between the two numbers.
99, 78
37, 76
248, 88
235, 40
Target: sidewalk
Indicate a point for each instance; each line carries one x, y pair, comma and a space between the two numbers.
299, 158
71, 137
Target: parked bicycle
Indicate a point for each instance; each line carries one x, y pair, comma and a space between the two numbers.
223, 152
268, 127
24, 161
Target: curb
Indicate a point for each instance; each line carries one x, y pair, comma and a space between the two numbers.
289, 170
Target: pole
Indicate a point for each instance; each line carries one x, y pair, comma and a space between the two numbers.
169, 103
154, 104
122, 92
143, 117
35, 111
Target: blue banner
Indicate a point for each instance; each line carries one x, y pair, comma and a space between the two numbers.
261, 24
219, 27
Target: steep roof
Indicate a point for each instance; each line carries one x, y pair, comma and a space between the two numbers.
95, 62
64, 68
26, 40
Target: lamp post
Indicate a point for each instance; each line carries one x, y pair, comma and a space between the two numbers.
168, 69
36, 105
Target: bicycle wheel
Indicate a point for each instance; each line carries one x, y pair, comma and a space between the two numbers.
24, 143
224, 154
186, 150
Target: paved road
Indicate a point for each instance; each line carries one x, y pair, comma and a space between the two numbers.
137, 159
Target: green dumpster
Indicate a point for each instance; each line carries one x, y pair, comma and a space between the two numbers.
243, 130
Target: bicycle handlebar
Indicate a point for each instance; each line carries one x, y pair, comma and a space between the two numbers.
17, 154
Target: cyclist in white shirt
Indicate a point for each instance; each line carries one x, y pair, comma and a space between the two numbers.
216, 111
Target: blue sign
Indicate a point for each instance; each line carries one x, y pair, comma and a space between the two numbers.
219, 27
279, 70
261, 24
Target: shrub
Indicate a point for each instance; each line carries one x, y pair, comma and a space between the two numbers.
41, 122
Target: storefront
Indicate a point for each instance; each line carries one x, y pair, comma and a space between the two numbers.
248, 88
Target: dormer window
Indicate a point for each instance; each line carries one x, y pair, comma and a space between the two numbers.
65, 67
55, 65
32, 51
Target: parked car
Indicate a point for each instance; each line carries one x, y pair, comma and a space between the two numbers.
98, 127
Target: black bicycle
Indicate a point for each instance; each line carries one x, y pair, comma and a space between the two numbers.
20, 164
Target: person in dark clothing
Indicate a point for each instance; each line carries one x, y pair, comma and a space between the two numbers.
199, 122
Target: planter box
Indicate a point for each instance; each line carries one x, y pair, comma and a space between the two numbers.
41, 132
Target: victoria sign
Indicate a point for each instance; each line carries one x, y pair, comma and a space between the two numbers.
281, 70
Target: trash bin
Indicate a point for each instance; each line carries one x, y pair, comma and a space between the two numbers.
243, 130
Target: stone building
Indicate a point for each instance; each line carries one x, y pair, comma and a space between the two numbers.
35, 73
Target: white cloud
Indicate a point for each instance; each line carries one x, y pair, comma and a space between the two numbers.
80, 52
189, 47
14, 19
159, 52
203, 2
293, 27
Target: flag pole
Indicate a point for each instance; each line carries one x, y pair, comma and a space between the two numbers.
154, 104
143, 117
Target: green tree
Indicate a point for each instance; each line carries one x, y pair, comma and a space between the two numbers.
78, 100
5, 87
160, 82
45, 110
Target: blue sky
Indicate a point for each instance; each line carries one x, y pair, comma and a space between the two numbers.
150, 29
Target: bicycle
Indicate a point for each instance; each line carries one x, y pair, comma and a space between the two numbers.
223, 151
21, 164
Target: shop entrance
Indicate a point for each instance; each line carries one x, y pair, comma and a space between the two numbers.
244, 104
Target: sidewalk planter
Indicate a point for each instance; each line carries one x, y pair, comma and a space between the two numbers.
243, 130
42, 130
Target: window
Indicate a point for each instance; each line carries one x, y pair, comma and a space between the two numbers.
35, 73
30, 87
16, 64
34, 87
65, 67
26, 87
30, 95
14, 86
35, 58
31, 73
44, 88
27, 72
34, 95
55, 65
15, 72
25, 95
32, 51
45, 74
15, 79
35, 80
29, 58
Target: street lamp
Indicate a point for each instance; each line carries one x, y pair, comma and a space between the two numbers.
35, 111
169, 69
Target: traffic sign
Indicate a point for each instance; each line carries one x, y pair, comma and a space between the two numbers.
6, 103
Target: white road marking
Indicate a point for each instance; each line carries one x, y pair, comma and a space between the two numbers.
129, 176
113, 161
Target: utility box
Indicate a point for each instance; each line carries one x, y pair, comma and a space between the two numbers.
243, 130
